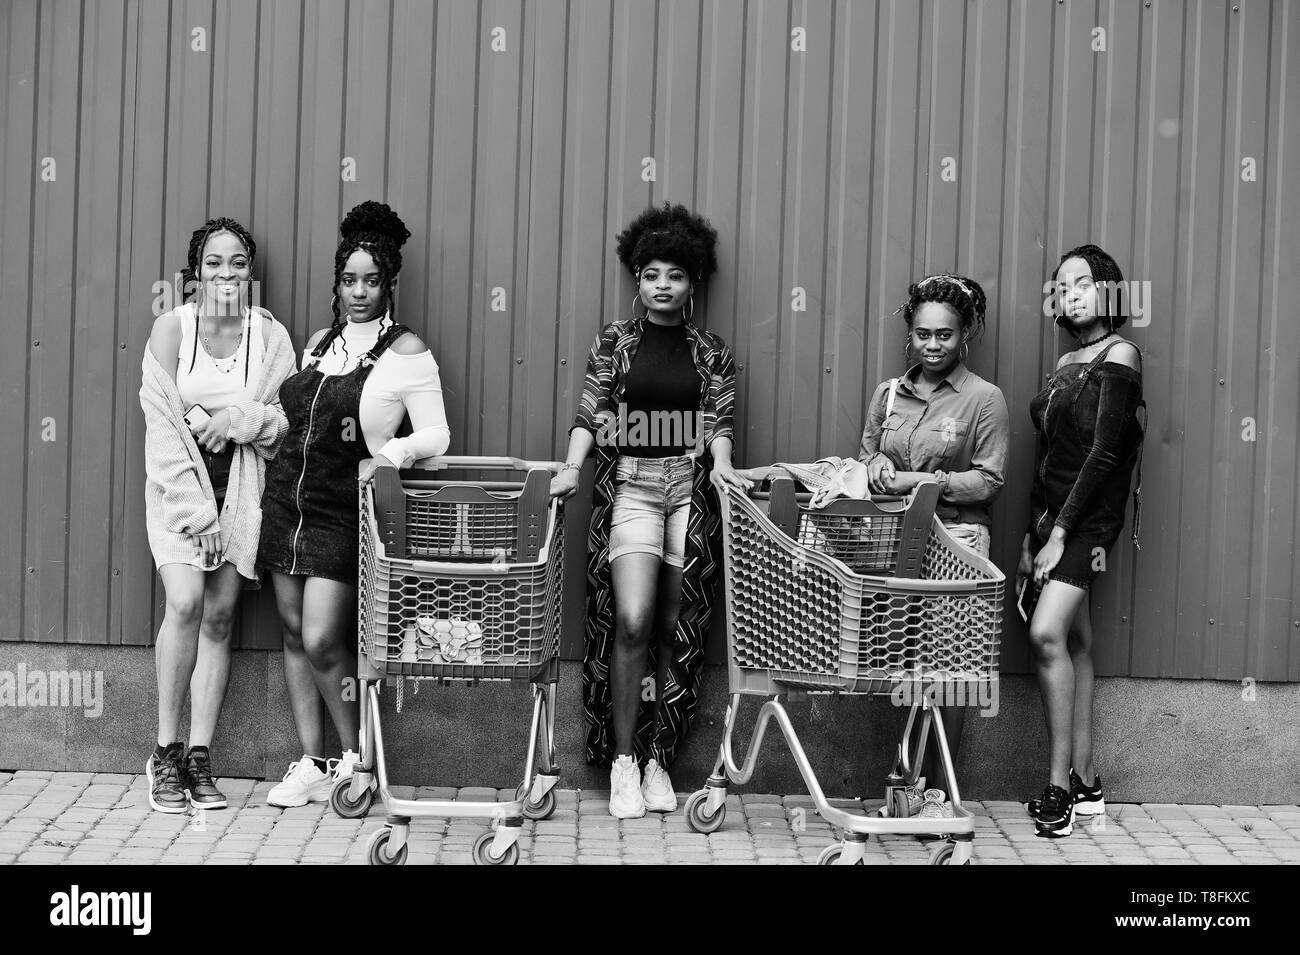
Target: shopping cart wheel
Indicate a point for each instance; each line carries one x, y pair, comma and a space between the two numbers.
831, 855
483, 851
342, 803
902, 809
377, 849
943, 855
696, 807
541, 809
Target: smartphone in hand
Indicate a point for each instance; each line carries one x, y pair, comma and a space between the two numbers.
1026, 598
196, 418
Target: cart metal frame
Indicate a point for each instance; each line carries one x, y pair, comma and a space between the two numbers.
878, 642
538, 550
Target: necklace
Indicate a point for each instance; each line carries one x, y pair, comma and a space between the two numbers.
226, 365
1102, 338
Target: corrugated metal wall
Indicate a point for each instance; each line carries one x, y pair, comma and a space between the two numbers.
514, 137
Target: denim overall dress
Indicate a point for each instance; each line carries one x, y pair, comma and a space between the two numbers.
309, 509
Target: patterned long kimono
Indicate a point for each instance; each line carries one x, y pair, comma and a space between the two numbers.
607, 366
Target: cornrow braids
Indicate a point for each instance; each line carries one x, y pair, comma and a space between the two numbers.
1107, 275
374, 228
964, 295
199, 241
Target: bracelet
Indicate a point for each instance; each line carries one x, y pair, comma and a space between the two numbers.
565, 467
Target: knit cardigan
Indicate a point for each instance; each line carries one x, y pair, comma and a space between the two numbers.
179, 500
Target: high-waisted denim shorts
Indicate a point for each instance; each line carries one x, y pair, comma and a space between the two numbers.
652, 500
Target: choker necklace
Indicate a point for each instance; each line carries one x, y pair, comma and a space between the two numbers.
1083, 344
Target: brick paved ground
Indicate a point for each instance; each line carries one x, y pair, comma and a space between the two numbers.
105, 818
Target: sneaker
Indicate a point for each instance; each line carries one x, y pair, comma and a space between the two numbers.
625, 799
1088, 800
657, 790
935, 806
197, 779
915, 796
1055, 817
343, 767
303, 783
166, 788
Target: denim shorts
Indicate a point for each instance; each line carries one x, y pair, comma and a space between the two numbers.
974, 537
652, 501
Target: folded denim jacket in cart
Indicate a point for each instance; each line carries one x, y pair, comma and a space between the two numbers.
830, 479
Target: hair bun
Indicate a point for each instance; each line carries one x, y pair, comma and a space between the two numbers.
375, 218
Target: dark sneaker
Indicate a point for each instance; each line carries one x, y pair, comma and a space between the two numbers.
1055, 816
166, 791
198, 780
1088, 800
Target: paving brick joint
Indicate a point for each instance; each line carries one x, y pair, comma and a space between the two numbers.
105, 819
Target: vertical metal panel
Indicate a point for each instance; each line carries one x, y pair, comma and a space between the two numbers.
822, 169
20, 171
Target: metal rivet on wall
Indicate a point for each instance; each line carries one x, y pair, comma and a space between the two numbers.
519, 361
1211, 621
564, 361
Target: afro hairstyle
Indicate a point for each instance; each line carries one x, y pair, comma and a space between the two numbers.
670, 233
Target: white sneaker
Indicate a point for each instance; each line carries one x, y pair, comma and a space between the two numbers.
625, 801
344, 767
657, 789
303, 783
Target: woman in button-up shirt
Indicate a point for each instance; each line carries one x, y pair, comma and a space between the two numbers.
944, 423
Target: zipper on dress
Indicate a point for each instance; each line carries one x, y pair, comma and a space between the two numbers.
297, 493
1042, 468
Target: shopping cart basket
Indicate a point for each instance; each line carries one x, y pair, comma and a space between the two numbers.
857, 597
459, 580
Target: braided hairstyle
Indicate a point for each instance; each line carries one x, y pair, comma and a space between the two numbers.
375, 228
1107, 276
670, 233
199, 241
964, 295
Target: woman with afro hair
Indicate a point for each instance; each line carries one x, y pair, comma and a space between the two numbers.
941, 422
211, 378
361, 374
657, 409
1089, 439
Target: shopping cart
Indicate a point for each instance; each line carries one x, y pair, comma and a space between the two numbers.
857, 597
459, 580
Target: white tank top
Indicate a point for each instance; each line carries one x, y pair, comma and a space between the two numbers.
217, 383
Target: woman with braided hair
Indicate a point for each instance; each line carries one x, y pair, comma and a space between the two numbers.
359, 378
940, 422
211, 378
1089, 440
656, 406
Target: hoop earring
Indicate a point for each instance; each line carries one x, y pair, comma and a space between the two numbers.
691, 303
907, 348
637, 317
960, 356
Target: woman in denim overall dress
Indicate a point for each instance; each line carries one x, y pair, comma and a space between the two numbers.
1089, 439
359, 378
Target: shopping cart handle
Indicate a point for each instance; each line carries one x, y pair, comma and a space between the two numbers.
915, 585
475, 463
485, 463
